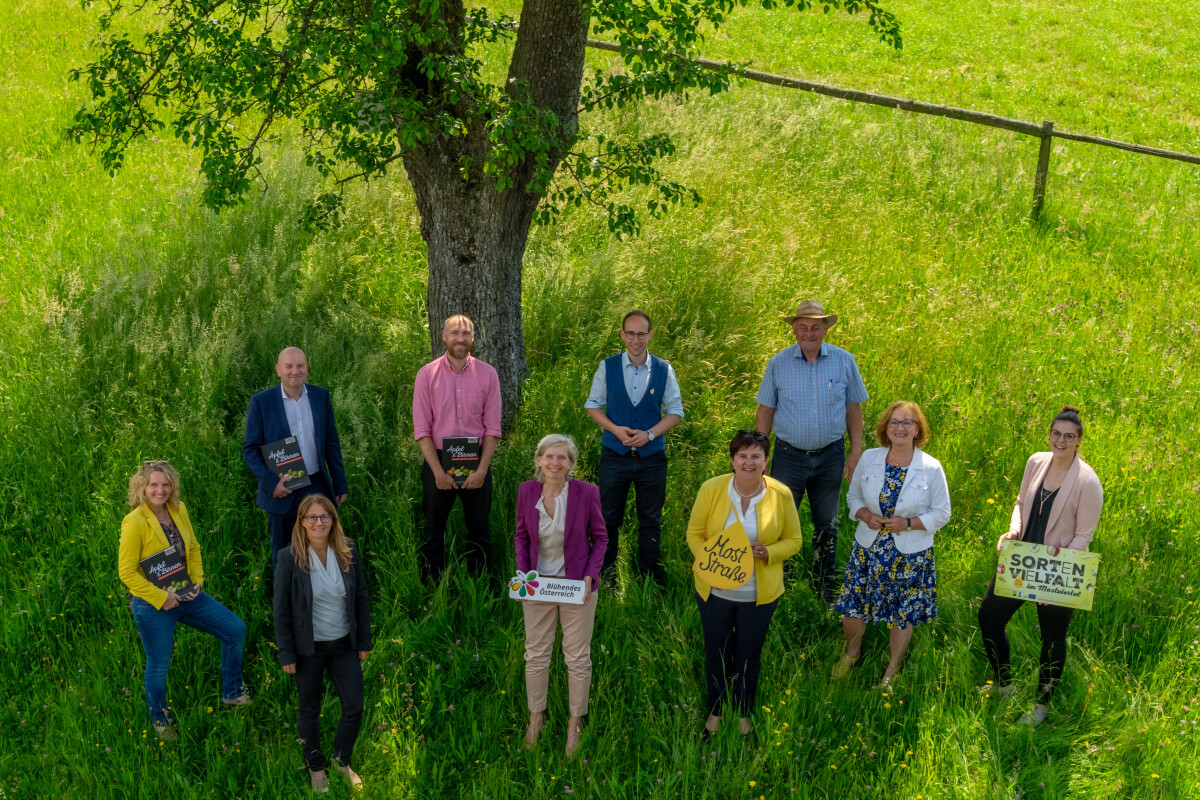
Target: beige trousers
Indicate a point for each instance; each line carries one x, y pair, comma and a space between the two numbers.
541, 623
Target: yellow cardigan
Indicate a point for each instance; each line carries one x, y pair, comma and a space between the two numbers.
778, 529
142, 536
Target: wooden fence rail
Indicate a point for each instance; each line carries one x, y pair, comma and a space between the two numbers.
1046, 131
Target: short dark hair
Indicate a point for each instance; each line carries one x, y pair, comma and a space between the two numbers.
637, 312
1069, 414
744, 439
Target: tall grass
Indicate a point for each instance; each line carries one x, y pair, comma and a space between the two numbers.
136, 325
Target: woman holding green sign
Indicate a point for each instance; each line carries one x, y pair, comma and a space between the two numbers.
899, 496
743, 526
1058, 505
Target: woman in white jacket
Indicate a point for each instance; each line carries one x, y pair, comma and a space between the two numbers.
899, 496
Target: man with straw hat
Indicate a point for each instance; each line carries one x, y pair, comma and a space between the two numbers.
811, 394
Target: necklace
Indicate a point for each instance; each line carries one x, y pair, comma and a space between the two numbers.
757, 489
1045, 496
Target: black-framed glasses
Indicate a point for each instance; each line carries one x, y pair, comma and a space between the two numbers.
313, 519
757, 436
907, 424
1066, 437
641, 336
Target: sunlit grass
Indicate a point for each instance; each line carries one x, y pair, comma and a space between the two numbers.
136, 325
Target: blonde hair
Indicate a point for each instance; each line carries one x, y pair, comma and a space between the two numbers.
337, 538
922, 424
554, 440
141, 478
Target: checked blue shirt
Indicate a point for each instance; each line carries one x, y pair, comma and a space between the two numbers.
810, 399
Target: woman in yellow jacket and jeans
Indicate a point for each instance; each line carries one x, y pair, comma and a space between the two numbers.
158, 521
736, 621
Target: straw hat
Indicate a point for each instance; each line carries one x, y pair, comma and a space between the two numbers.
811, 309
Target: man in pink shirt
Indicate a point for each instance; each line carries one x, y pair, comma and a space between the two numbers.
456, 395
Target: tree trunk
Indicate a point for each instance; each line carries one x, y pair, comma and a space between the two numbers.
475, 235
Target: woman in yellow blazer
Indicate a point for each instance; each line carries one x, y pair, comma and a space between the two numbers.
736, 621
159, 521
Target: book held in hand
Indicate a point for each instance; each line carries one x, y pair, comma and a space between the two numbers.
284, 459
460, 456
166, 570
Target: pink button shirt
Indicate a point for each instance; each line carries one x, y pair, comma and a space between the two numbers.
449, 403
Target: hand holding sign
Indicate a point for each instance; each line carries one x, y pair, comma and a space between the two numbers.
1053, 575
726, 560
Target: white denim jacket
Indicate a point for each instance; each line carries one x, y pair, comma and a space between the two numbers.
924, 494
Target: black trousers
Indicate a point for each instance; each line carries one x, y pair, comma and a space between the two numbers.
994, 614
436, 505
345, 670
648, 477
280, 525
819, 476
734, 634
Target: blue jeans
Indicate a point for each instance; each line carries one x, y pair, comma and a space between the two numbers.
158, 638
821, 477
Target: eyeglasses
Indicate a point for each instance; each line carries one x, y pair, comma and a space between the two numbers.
154, 463
757, 436
907, 424
639, 335
313, 519
1066, 437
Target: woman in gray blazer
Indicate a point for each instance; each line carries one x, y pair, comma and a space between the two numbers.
323, 625
1058, 505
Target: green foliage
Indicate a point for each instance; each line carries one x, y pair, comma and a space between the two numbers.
371, 82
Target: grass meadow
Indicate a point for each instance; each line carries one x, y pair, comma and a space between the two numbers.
134, 324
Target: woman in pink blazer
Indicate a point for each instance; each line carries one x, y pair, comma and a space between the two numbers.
1058, 505
560, 533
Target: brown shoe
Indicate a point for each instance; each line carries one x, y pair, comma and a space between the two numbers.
351, 775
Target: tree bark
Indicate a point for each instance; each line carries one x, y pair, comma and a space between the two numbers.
476, 235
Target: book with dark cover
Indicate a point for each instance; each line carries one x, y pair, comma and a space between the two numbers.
460, 456
166, 570
284, 459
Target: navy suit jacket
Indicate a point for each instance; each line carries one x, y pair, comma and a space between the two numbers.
267, 422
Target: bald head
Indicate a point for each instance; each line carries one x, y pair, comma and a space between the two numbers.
292, 369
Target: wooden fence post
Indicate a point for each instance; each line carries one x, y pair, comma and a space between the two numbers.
1043, 169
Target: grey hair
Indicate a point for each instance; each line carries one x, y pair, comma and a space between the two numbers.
554, 440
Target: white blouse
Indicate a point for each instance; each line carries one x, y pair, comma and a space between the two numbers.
747, 592
551, 532
331, 621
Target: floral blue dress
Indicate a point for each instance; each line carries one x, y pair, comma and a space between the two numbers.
884, 585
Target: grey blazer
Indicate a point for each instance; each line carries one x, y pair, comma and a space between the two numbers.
293, 607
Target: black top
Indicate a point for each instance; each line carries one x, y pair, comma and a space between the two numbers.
293, 606
1043, 501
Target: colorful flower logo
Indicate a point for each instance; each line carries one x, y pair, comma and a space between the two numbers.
525, 584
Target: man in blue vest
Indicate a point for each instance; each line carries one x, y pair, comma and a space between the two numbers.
635, 398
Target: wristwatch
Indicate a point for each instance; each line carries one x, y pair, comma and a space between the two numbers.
908, 523
649, 436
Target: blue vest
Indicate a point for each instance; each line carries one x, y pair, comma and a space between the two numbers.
621, 410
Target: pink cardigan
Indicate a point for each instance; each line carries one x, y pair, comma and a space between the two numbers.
1076, 509
584, 539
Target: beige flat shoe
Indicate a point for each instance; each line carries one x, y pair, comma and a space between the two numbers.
351, 776
166, 732
842, 668
534, 731
887, 682
320, 781
573, 732
242, 699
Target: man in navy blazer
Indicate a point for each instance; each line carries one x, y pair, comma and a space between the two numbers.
293, 408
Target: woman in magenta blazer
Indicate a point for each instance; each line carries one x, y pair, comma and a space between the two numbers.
1058, 505
560, 533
